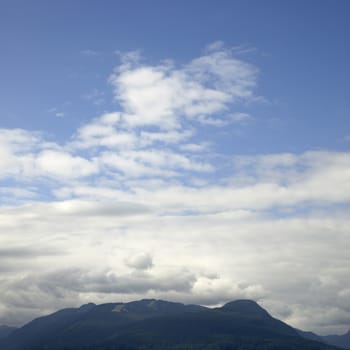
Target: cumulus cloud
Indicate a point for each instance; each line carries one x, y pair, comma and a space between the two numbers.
140, 261
159, 103
62, 165
162, 95
16, 146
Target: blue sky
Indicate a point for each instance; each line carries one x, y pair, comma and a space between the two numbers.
191, 150
300, 49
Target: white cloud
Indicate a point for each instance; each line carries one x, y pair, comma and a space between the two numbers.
64, 165
169, 137
226, 73
156, 163
142, 261
16, 146
195, 147
17, 193
143, 188
162, 95
245, 255
18, 140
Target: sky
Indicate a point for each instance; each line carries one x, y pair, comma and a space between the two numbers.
193, 151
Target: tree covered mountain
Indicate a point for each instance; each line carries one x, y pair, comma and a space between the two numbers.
157, 324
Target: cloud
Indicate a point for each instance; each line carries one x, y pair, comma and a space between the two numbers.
26, 252
141, 261
17, 193
158, 104
96, 208
309, 177
108, 282
27, 154
35, 293
244, 255
195, 147
56, 112
19, 139
163, 95
63, 165
260, 183
240, 117
169, 137
143, 163
16, 146
142, 202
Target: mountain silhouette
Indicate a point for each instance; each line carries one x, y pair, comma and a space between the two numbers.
157, 324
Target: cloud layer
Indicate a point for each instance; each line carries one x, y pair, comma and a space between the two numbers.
140, 202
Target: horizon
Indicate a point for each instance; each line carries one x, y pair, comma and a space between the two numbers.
196, 152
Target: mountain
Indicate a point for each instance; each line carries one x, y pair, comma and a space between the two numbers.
341, 341
247, 307
156, 324
311, 336
6, 331
88, 324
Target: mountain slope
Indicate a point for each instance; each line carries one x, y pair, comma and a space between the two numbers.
6, 331
342, 341
156, 324
311, 336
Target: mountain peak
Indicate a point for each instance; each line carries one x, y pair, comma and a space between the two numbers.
87, 305
154, 306
245, 307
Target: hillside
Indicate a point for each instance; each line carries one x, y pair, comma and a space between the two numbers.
6, 331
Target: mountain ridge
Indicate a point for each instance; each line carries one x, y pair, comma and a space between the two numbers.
341, 341
158, 324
